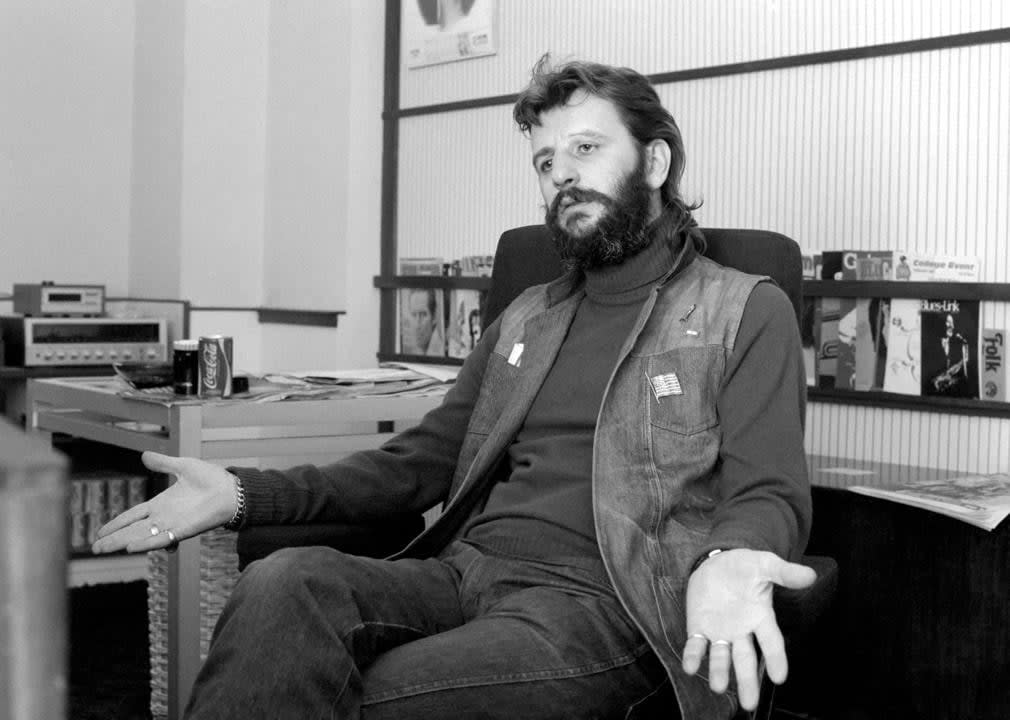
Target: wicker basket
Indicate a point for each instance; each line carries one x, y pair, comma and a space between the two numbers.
218, 573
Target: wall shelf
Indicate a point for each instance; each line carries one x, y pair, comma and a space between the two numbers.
460, 282
998, 292
390, 284
986, 292
990, 292
875, 398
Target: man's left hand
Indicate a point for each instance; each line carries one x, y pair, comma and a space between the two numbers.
729, 599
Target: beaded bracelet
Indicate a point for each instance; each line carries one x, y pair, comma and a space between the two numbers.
238, 519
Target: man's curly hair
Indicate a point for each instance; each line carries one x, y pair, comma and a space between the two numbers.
635, 99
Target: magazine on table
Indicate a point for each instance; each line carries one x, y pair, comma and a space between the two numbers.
979, 500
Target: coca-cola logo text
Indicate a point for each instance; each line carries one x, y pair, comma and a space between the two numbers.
210, 362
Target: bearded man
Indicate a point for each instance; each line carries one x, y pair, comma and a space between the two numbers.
622, 456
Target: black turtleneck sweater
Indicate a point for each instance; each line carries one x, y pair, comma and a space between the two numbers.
543, 507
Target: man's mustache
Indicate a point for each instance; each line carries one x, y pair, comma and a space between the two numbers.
577, 195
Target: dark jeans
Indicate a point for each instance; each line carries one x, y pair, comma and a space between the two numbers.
316, 633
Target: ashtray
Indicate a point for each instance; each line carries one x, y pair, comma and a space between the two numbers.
143, 375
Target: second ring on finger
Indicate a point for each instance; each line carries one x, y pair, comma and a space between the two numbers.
723, 643
173, 541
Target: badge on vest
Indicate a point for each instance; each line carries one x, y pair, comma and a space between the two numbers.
666, 385
516, 355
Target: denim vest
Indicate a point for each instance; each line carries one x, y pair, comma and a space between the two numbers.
656, 444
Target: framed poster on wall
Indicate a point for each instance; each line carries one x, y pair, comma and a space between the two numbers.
440, 31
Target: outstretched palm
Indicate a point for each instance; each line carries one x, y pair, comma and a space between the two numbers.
729, 599
202, 497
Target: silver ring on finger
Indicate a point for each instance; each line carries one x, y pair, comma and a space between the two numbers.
173, 542
154, 530
698, 635
727, 643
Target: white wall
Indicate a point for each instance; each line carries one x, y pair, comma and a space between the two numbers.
66, 110
156, 183
324, 187
226, 153
307, 143
358, 334
247, 186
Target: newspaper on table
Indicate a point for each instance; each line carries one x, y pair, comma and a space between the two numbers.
979, 500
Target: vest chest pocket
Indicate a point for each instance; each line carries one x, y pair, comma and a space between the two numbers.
682, 386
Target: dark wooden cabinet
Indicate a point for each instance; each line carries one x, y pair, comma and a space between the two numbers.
920, 627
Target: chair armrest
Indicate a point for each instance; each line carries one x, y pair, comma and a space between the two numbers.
798, 610
377, 539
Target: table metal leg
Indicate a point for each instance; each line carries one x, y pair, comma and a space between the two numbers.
184, 581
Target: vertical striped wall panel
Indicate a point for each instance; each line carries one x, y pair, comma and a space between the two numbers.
908, 151
662, 35
464, 178
956, 442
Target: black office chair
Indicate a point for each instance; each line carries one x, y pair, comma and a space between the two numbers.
526, 256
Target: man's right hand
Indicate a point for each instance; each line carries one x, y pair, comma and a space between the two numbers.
203, 497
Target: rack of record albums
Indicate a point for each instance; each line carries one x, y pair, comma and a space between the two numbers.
439, 307
904, 330
882, 328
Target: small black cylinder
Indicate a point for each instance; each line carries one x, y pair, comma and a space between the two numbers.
185, 367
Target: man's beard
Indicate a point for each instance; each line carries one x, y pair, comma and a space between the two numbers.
620, 232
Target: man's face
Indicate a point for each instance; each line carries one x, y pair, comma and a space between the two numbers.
592, 177
421, 321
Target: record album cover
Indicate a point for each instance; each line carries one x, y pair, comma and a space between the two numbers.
950, 339
422, 323
464, 321
903, 372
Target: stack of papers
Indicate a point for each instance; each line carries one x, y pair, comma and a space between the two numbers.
979, 500
386, 373
390, 380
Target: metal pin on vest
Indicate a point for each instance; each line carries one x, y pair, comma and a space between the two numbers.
692, 333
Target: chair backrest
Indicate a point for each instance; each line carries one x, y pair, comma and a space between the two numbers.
526, 256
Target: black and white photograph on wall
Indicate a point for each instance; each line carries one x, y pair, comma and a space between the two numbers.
440, 31
422, 324
464, 321
950, 348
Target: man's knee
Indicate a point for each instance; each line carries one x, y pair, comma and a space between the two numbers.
284, 572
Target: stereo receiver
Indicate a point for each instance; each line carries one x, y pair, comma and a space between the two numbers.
53, 342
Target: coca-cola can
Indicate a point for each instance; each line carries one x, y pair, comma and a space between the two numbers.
215, 366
